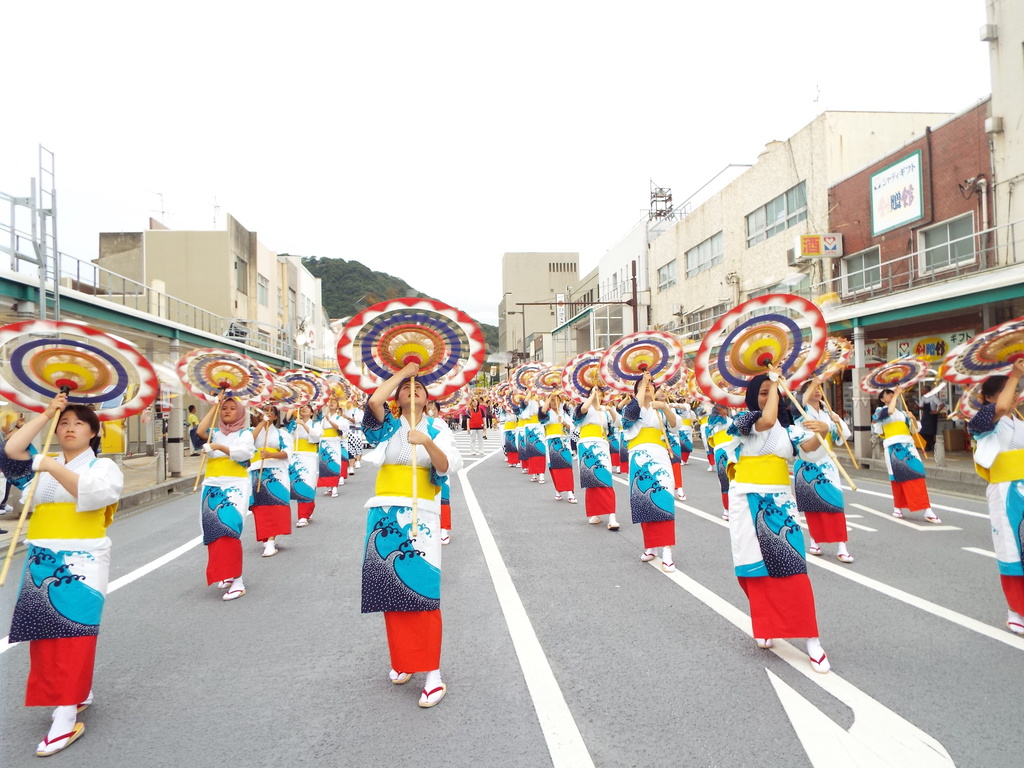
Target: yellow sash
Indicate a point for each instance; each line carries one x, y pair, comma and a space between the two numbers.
592, 430
762, 470
59, 520
330, 432
687, 422
531, 420
554, 429
897, 428
720, 437
396, 480
648, 435
225, 467
302, 444
1008, 466
510, 425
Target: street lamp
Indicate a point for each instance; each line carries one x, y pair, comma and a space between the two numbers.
523, 313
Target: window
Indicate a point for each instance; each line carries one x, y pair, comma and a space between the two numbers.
241, 276
262, 290
778, 215
862, 271
696, 324
607, 325
705, 255
947, 245
666, 276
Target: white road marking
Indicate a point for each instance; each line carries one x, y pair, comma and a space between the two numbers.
977, 551
860, 527
922, 527
877, 731
128, 578
565, 743
959, 511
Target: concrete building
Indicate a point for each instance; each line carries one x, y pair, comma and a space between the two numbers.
274, 302
533, 284
1004, 33
739, 243
924, 268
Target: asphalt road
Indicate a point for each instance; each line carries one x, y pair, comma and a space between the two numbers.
560, 646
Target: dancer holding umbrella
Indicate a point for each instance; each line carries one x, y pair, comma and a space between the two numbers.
408, 344
72, 498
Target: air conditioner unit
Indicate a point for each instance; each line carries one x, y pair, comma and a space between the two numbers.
677, 310
988, 33
792, 259
236, 331
993, 124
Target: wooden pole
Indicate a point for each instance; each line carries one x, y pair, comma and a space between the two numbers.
209, 435
266, 437
846, 443
910, 422
26, 503
415, 481
824, 442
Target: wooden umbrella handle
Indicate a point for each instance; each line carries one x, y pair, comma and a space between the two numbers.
415, 482
846, 443
26, 503
824, 442
209, 436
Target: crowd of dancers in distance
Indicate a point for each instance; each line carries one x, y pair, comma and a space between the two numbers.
261, 461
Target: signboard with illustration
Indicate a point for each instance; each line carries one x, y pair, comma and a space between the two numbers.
896, 194
931, 348
827, 246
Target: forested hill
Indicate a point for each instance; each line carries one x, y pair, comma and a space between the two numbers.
350, 286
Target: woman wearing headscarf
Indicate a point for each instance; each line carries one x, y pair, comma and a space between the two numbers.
67, 563
271, 488
650, 471
595, 421
402, 567
999, 458
818, 490
767, 542
304, 466
227, 491
906, 470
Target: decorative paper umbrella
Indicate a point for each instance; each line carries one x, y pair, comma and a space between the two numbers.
523, 377
311, 384
768, 329
971, 401
990, 353
285, 395
582, 374
548, 381
835, 358
626, 361
901, 372
206, 373
387, 336
39, 357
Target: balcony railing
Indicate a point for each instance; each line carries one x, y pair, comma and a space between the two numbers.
93, 280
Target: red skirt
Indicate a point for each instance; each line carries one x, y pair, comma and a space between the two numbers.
304, 509
446, 522
1013, 588
662, 534
781, 607
562, 479
414, 640
344, 469
512, 457
677, 474
60, 671
827, 526
911, 495
272, 520
223, 559
599, 501
536, 465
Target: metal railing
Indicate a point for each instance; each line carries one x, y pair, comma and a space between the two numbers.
986, 251
94, 280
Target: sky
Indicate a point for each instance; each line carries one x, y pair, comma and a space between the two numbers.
427, 139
